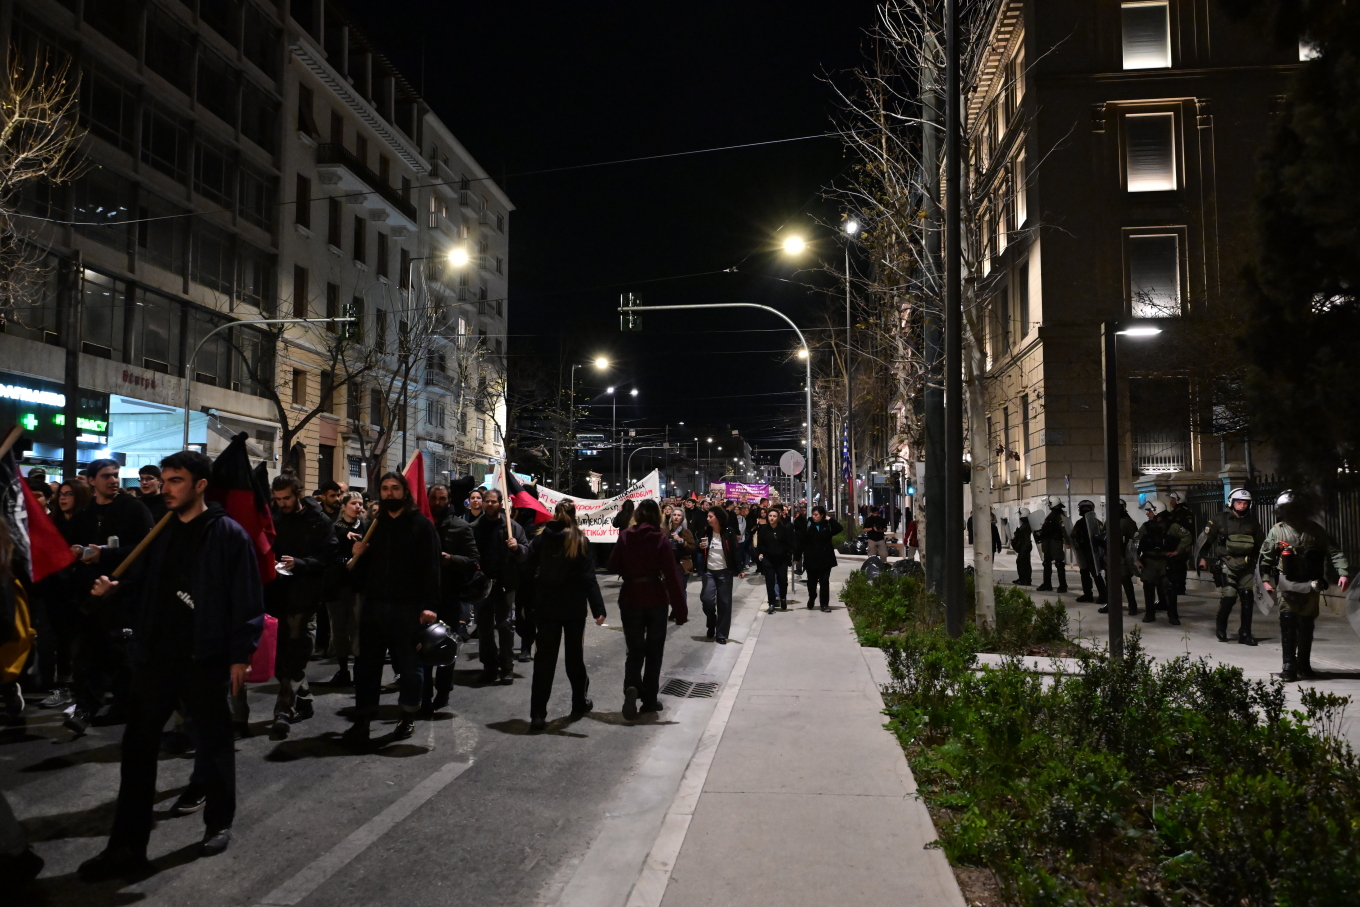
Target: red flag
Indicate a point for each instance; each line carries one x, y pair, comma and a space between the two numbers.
47, 550
235, 487
521, 498
415, 477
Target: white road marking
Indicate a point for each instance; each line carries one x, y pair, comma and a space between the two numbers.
335, 859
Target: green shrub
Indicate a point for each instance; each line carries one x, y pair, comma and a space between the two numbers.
1131, 782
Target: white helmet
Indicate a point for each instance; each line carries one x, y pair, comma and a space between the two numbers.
1285, 497
1155, 505
1239, 494
1023, 512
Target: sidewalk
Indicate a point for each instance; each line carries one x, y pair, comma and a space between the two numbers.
796, 795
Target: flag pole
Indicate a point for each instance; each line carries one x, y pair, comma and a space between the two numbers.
132, 557
505, 503
368, 533
11, 438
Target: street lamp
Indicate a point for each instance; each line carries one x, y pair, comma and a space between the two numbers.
193, 360
794, 245
1114, 551
601, 363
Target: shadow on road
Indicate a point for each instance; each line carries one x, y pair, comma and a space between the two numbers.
518, 727
329, 745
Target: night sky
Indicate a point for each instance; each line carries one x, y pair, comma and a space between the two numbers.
528, 87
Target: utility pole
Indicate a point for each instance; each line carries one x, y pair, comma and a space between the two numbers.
953, 328
75, 304
932, 328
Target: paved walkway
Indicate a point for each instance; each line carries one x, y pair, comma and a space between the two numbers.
796, 795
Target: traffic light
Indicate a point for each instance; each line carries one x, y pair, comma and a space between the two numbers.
629, 321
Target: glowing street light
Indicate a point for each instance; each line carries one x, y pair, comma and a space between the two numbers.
601, 363
803, 353
458, 256
794, 245
851, 227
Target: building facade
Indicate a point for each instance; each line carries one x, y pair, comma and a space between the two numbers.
250, 161
1112, 146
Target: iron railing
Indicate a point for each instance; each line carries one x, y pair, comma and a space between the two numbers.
1340, 510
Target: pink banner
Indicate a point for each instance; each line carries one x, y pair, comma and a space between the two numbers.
738, 491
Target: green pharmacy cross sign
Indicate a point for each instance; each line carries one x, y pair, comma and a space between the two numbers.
39, 407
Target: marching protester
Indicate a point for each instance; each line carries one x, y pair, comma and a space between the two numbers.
1294, 560
562, 571
1233, 540
875, 531
682, 543
305, 549
774, 545
19, 865
501, 555
63, 594
330, 496
651, 581
474, 506
819, 555
458, 578
721, 552
343, 607
150, 478
106, 530
197, 609
397, 572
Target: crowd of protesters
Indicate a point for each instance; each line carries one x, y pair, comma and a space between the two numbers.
354, 579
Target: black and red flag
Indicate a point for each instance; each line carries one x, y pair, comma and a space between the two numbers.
37, 540
243, 493
520, 497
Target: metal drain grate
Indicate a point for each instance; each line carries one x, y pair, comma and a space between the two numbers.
685, 689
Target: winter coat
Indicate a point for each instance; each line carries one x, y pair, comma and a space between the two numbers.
651, 577
402, 562
457, 575
498, 562
818, 551
775, 543
563, 586
308, 537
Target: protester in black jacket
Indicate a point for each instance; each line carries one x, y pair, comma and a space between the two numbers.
397, 571
501, 557
458, 570
720, 548
197, 616
819, 555
562, 571
305, 548
774, 550
344, 603
108, 529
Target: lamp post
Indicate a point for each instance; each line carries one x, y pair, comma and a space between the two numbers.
851, 228
1114, 549
457, 257
601, 363
807, 359
193, 360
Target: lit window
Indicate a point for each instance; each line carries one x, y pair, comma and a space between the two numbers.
1147, 34
1150, 151
1154, 276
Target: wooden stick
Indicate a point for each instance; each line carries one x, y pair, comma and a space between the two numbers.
505, 504
368, 533
11, 438
142, 546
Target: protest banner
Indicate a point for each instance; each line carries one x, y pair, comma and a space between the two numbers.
738, 491
596, 516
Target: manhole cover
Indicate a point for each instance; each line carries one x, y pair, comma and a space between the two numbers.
684, 689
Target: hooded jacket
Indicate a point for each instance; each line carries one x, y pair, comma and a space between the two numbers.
228, 596
402, 561
644, 559
563, 586
818, 552
307, 535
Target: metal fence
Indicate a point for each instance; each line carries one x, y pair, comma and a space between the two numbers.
1340, 516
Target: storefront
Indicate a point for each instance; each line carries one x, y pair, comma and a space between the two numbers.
39, 407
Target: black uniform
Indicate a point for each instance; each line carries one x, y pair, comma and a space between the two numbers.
774, 547
819, 556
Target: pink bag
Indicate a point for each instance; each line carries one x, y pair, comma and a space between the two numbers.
262, 662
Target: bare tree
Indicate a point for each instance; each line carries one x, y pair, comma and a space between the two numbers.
39, 136
894, 188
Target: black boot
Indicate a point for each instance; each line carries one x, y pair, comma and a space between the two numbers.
1289, 643
1221, 620
1047, 584
1244, 632
1305, 666
1149, 604
1172, 617
1062, 578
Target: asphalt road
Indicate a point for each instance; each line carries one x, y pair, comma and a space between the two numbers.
473, 809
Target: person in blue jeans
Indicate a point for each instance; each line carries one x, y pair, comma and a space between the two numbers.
720, 549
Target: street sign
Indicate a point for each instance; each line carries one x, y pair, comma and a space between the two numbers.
791, 463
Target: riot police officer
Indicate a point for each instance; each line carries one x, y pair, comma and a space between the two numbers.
1176, 567
1088, 541
1128, 534
1295, 553
1160, 540
1230, 544
1052, 537
1022, 543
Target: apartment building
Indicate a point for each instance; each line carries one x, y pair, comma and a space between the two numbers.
250, 161
1113, 144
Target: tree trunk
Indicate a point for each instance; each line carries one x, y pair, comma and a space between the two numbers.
981, 480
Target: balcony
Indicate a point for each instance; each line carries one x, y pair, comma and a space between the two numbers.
336, 166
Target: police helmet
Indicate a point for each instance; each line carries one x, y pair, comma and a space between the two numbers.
1054, 504
1155, 506
1085, 506
1023, 512
1285, 497
436, 645
1239, 494
1174, 496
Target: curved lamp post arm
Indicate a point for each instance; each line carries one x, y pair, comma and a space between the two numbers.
193, 360
807, 467
628, 466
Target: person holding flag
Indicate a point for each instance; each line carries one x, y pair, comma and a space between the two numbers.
530, 512
197, 614
503, 547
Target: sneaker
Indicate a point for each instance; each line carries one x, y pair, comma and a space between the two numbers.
303, 708
537, 724
710, 633
630, 697
652, 706
115, 863
214, 842
722, 640
279, 729
406, 728
59, 698
191, 801
77, 722
342, 678
826, 609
